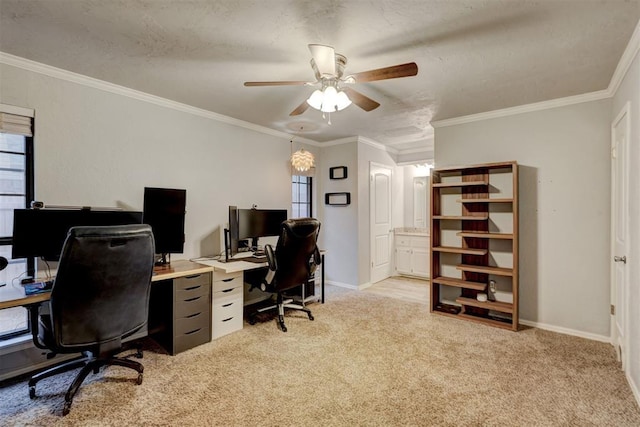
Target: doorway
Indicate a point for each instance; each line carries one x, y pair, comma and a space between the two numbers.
380, 181
620, 129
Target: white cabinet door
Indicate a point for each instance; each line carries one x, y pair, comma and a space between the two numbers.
403, 260
420, 262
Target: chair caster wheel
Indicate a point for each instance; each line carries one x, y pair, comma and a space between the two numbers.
310, 316
66, 408
284, 329
252, 320
32, 392
139, 380
139, 354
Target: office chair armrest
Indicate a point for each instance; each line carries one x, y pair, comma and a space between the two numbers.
271, 257
317, 259
34, 312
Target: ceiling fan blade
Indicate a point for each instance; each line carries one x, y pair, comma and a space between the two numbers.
394, 72
362, 101
282, 83
325, 58
300, 109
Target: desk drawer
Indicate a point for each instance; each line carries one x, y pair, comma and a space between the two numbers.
191, 292
189, 282
191, 323
228, 283
227, 312
191, 339
192, 305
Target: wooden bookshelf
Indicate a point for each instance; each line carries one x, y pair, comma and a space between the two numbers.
474, 242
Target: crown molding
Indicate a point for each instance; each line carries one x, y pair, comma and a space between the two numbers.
629, 54
626, 60
376, 144
47, 70
527, 108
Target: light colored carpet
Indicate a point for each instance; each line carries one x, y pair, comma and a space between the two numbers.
366, 360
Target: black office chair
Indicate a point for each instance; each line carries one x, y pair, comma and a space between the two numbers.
99, 297
295, 259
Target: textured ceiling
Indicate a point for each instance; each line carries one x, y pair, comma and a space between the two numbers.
473, 56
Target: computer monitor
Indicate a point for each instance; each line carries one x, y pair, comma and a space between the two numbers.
256, 223
41, 233
251, 224
231, 234
164, 210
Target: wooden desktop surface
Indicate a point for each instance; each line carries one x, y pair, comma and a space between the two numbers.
178, 268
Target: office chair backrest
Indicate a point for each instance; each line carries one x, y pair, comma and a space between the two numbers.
296, 245
101, 290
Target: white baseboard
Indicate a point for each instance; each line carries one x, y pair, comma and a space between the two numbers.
567, 331
634, 387
342, 285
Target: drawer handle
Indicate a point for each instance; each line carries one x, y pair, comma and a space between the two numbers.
192, 299
226, 320
193, 276
227, 305
193, 315
228, 280
228, 290
192, 288
193, 332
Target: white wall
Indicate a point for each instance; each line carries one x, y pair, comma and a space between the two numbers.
340, 223
564, 206
98, 148
629, 91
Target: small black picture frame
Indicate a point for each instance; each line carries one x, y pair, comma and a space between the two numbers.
338, 172
337, 199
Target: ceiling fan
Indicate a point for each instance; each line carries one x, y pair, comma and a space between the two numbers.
333, 94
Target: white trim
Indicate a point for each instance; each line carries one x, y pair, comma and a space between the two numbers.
376, 144
634, 387
18, 111
527, 108
567, 331
341, 285
625, 62
362, 139
416, 151
340, 141
69, 76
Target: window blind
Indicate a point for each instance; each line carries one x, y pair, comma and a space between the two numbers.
13, 123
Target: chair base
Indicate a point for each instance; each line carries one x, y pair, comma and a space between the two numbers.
281, 304
89, 363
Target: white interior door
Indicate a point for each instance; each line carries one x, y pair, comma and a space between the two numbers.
619, 233
380, 220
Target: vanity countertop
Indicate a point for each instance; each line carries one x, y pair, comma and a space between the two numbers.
411, 231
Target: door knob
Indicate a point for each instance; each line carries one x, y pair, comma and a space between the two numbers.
622, 259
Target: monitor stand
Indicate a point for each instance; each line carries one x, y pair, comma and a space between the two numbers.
165, 259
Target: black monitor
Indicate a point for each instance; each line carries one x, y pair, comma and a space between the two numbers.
252, 224
256, 223
42, 232
231, 234
164, 210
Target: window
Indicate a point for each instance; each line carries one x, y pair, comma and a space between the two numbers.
301, 196
16, 192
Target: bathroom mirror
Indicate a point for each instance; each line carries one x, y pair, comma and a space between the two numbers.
420, 188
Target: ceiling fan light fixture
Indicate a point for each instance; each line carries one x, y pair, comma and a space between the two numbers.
329, 100
315, 100
342, 101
